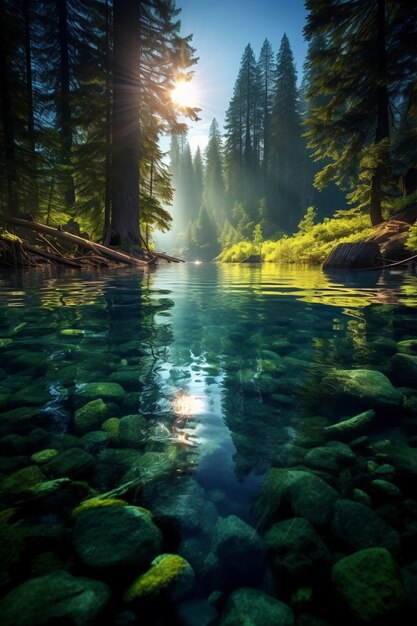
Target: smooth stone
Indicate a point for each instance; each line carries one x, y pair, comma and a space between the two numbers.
404, 459
104, 390
22, 419
113, 464
74, 463
182, 506
90, 416
370, 583
308, 495
57, 598
251, 607
369, 388
358, 495
385, 489
21, 482
94, 441
43, 456
116, 538
132, 431
332, 457
404, 368
30, 396
128, 379
357, 526
407, 346
296, 549
197, 613
8, 465
352, 427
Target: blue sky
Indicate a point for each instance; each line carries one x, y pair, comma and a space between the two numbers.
221, 29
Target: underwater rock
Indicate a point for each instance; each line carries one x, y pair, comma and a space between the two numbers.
367, 388
43, 456
113, 464
197, 613
21, 482
11, 546
370, 583
251, 607
385, 489
358, 495
168, 572
111, 428
57, 598
332, 457
179, 504
93, 391
74, 463
94, 441
151, 467
116, 537
22, 420
409, 573
90, 416
407, 346
128, 378
11, 464
357, 526
295, 548
132, 431
404, 459
308, 495
404, 369
351, 427
239, 549
34, 395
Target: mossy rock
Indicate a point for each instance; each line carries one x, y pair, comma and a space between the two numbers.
251, 607
22, 419
361, 387
11, 546
94, 503
90, 416
74, 463
43, 456
21, 482
72, 332
408, 346
370, 583
166, 571
132, 431
111, 427
104, 390
4, 342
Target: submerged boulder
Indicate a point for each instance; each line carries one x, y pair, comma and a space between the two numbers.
357, 526
367, 388
370, 583
295, 548
116, 537
251, 607
111, 392
351, 428
404, 368
168, 572
90, 416
57, 598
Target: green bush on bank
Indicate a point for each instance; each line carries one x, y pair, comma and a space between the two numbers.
310, 245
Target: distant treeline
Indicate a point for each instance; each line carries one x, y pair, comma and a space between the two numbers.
347, 135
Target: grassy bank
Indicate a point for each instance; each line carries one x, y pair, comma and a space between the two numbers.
311, 244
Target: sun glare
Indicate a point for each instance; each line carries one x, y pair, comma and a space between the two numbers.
187, 405
184, 94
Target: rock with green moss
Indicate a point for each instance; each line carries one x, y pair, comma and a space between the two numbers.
95, 503
361, 387
132, 431
371, 585
94, 441
43, 456
357, 526
167, 572
33, 395
45, 563
111, 392
111, 428
11, 546
296, 549
22, 420
251, 607
352, 427
113, 464
407, 346
56, 598
21, 482
90, 416
72, 463
404, 367
116, 537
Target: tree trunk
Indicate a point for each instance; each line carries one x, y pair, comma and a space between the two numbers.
382, 120
107, 166
64, 105
33, 199
125, 136
12, 206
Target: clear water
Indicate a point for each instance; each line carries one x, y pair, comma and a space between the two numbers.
226, 365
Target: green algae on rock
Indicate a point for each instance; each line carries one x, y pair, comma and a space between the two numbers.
90, 416
370, 583
252, 607
105, 390
165, 572
43, 456
94, 503
350, 428
116, 537
369, 388
57, 598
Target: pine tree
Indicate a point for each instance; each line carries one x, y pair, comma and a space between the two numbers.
286, 144
266, 69
213, 193
368, 65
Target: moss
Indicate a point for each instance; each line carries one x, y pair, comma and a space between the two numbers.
165, 571
22, 481
11, 546
72, 332
95, 503
5, 235
43, 456
111, 427
4, 342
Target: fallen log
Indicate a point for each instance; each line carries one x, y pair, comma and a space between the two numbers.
79, 241
353, 256
49, 255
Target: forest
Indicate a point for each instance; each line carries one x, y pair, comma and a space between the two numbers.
86, 95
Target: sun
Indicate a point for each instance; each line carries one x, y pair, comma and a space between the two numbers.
184, 94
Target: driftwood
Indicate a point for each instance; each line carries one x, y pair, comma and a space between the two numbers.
79, 241
57, 258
